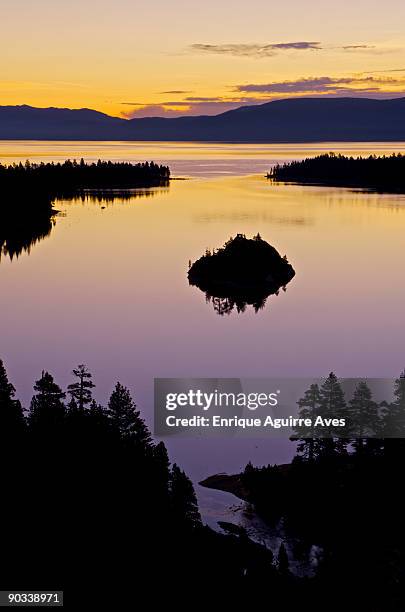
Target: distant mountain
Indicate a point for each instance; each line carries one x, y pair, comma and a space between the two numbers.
29, 123
294, 120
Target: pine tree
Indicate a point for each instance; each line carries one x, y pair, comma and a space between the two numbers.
161, 471
81, 391
183, 499
363, 416
47, 408
11, 414
394, 413
309, 408
333, 406
126, 418
162, 462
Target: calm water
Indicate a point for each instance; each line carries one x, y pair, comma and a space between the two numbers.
108, 287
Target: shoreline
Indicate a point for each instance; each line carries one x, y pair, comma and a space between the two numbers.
232, 483
228, 483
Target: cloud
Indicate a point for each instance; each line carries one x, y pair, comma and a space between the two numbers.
359, 85
254, 49
387, 70
191, 106
324, 84
151, 110
175, 91
355, 47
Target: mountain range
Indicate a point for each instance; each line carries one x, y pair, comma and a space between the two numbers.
292, 120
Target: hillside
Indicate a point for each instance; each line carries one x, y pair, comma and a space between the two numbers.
294, 120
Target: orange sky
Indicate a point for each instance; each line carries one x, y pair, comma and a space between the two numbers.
133, 58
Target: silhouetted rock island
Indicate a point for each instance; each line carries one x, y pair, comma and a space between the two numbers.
244, 271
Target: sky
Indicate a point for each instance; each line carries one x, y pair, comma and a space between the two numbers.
132, 58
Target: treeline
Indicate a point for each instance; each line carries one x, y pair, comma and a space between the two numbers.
385, 173
57, 179
91, 504
369, 425
342, 494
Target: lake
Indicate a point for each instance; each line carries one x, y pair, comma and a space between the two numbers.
108, 287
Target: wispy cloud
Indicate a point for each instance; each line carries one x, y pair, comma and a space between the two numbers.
260, 50
254, 49
324, 84
174, 92
190, 106
387, 70
356, 47
359, 85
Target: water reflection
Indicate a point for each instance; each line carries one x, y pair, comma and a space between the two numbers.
225, 304
19, 232
108, 196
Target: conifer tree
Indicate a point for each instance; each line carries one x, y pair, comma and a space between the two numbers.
11, 414
162, 462
47, 408
183, 499
333, 406
81, 391
394, 413
126, 418
161, 471
309, 408
363, 416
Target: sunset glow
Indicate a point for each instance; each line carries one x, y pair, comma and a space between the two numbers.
168, 59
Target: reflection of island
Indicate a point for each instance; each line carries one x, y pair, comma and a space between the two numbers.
27, 193
383, 174
244, 271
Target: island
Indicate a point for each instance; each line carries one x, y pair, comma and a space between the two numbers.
378, 173
245, 271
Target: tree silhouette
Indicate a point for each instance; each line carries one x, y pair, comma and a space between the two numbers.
309, 408
394, 413
124, 416
183, 499
333, 406
363, 416
81, 391
47, 408
11, 413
